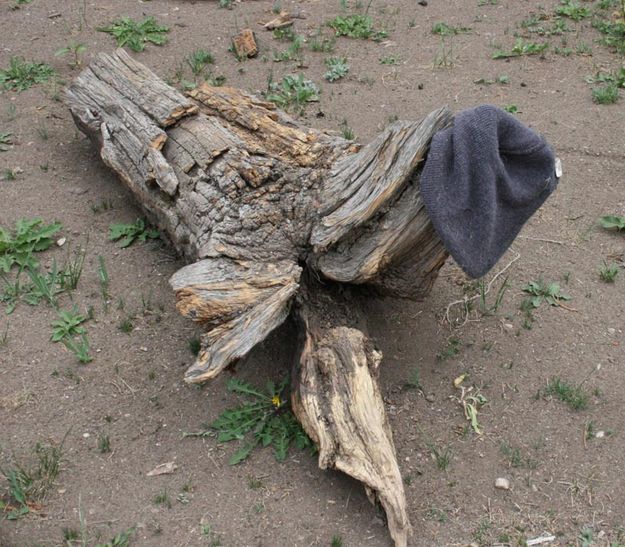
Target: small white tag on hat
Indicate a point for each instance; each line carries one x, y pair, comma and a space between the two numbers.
558, 167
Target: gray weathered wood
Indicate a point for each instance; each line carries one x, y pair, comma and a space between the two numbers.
264, 206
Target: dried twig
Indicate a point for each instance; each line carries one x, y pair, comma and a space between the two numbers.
464, 301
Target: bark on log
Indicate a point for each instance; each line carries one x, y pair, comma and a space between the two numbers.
259, 202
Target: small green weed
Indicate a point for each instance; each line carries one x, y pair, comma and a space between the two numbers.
605, 95
74, 50
292, 90
104, 444
5, 141
126, 326
451, 350
30, 236
103, 278
445, 57
292, 52
136, 35
356, 26
337, 541
162, 498
103, 205
608, 272
28, 484
443, 29
337, 68
346, 131
502, 79
198, 60
127, 234
22, 75
120, 540
266, 415
521, 48
390, 60
575, 396
540, 292
19, 3
79, 347
434, 513
572, 10
322, 44
442, 456
226, 4
67, 325
609, 222
414, 380
195, 345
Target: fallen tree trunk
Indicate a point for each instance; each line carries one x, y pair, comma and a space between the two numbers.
268, 211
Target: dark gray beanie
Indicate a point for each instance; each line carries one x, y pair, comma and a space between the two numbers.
483, 179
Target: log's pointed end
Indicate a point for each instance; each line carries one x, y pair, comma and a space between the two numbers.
335, 396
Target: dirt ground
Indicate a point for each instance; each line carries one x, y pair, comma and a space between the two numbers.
565, 476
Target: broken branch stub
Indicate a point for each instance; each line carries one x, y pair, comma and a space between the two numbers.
261, 206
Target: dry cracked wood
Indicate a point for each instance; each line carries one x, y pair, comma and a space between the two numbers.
254, 200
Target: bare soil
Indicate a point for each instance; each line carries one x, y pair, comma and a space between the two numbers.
564, 480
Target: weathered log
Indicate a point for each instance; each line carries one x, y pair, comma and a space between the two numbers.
264, 206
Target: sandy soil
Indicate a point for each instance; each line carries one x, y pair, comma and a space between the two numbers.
563, 481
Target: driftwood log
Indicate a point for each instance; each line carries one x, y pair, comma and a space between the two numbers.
273, 217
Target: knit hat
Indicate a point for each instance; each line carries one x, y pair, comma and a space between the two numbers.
483, 178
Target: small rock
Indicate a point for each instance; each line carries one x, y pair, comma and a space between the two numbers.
611, 330
430, 398
86, 435
600, 434
60, 242
502, 484
77, 190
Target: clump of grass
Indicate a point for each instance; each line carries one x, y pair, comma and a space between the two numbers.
356, 25
5, 141
574, 396
607, 94
125, 325
322, 44
292, 52
292, 91
337, 541
30, 483
608, 272
104, 444
21, 74
337, 68
443, 29
521, 48
346, 131
136, 35
162, 498
451, 350
265, 415
198, 60
442, 456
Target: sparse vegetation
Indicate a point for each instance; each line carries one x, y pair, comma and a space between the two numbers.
21, 74
451, 350
265, 415
74, 51
198, 60
573, 395
127, 234
443, 29
292, 91
610, 222
5, 141
136, 35
337, 68
356, 26
608, 272
521, 48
